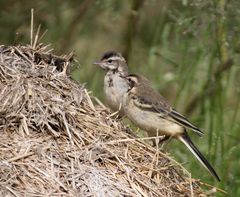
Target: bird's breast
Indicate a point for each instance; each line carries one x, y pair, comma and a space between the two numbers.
114, 88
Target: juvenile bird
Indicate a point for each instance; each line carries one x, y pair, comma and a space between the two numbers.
146, 108
115, 85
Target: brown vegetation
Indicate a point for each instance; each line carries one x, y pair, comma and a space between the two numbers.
54, 141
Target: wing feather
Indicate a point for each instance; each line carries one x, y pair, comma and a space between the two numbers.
164, 110
184, 122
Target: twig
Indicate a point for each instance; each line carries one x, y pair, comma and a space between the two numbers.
67, 128
133, 139
36, 37
20, 157
31, 30
218, 189
13, 192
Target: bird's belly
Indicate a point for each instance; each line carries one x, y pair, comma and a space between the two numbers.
153, 123
112, 98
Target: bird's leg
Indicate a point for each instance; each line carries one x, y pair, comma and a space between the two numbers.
164, 142
159, 140
163, 139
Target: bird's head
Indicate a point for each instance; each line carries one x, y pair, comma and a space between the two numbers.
137, 83
113, 61
133, 81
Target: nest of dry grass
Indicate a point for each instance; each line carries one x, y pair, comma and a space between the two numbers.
54, 141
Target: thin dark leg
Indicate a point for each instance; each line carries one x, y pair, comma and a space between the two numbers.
164, 139
160, 141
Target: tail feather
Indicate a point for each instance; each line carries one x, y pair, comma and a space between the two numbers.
188, 142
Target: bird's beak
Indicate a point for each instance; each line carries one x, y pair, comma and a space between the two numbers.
99, 64
96, 63
124, 77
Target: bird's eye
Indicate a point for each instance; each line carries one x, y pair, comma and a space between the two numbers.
110, 61
131, 84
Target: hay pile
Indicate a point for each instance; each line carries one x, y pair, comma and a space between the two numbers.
55, 142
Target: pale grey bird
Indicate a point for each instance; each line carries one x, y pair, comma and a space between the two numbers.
115, 85
146, 108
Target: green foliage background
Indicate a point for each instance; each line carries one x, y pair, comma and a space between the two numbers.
189, 50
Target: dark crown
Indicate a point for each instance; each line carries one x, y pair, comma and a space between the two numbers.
109, 54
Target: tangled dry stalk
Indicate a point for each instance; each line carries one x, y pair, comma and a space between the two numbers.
54, 141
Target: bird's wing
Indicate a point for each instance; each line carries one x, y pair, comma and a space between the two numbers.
145, 104
149, 104
180, 119
157, 103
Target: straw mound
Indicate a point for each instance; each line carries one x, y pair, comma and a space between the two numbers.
55, 142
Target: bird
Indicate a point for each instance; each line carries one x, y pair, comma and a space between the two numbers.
151, 112
115, 85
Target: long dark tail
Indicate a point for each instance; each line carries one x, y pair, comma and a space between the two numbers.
188, 142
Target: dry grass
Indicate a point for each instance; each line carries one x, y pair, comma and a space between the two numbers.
55, 141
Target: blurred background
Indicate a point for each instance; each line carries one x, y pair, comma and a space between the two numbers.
189, 49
